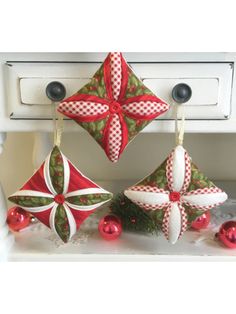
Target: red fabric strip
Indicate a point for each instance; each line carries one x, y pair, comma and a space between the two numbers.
86, 97
125, 137
78, 181
140, 117
105, 137
80, 216
88, 119
43, 216
37, 182
142, 98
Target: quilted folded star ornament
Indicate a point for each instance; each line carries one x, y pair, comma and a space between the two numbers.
114, 106
60, 196
179, 191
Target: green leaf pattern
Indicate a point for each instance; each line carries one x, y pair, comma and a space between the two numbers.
62, 224
31, 201
89, 199
56, 170
135, 86
95, 129
96, 87
158, 179
134, 126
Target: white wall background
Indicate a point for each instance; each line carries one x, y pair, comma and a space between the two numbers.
215, 154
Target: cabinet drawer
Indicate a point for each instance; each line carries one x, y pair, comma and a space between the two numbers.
211, 85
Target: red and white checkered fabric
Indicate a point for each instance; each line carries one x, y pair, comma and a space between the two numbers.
115, 137
148, 188
212, 192
144, 108
188, 172
116, 73
199, 199
152, 189
169, 171
113, 88
83, 108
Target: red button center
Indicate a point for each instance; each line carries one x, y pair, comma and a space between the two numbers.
115, 107
174, 196
59, 198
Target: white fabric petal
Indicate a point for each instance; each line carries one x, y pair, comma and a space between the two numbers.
39, 208
66, 174
149, 198
52, 218
205, 201
178, 171
87, 191
85, 207
70, 218
35, 194
47, 177
178, 168
175, 223
32, 193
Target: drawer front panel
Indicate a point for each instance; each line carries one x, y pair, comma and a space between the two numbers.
210, 83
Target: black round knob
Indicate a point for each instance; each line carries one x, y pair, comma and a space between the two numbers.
55, 91
181, 93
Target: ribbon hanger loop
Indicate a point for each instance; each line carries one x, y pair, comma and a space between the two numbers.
179, 123
58, 125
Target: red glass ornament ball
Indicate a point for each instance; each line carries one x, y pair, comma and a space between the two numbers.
202, 222
227, 234
18, 218
110, 227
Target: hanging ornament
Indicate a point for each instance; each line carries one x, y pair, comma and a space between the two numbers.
58, 194
18, 218
227, 234
177, 189
110, 227
114, 106
202, 222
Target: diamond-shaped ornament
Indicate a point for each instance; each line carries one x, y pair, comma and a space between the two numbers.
178, 191
60, 196
114, 106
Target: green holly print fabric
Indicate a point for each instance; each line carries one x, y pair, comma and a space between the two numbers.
114, 106
176, 193
60, 196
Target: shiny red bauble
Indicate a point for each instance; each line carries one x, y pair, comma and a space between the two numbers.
227, 234
110, 227
202, 222
18, 218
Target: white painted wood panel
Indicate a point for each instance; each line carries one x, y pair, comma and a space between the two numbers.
211, 84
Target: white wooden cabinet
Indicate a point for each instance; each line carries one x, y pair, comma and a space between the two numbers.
25, 107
